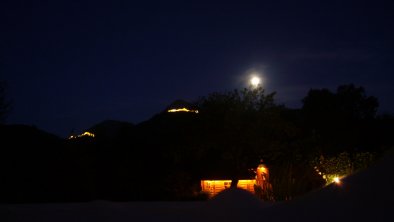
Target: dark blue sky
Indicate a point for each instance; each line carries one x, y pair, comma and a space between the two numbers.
71, 64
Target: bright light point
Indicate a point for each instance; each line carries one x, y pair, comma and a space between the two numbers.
255, 81
337, 180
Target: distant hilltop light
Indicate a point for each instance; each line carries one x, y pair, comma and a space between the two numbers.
89, 134
182, 110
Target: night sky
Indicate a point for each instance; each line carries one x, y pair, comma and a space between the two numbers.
72, 64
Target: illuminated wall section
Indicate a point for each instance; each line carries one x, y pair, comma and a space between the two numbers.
247, 185
213, 187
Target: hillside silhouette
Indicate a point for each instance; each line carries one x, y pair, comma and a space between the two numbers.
165, 157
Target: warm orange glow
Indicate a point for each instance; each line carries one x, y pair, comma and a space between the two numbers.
262, 169
247, 185
337, 180
213, 187
182, 110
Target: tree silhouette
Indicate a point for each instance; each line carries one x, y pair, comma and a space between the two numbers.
353, 103
348, 103
338, 120
238, 127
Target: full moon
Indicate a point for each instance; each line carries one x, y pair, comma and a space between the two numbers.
255, 81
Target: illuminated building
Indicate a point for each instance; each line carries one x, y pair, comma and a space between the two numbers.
213, 187
181, 106
85, 134
261, 182
182, 110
